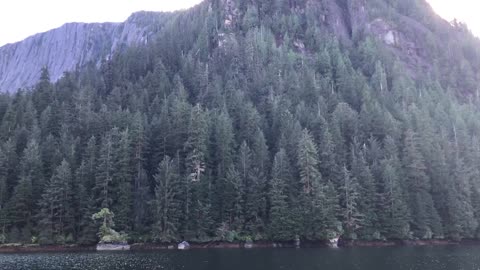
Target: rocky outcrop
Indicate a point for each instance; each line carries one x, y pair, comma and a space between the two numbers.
70, 46
333, 242
76, 44
183, 245
112, 247
407, 38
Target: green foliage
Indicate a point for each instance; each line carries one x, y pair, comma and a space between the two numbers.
281, 225
3, 238
263, 126
56, 218
167, 201
308, 163
106, 233
352, 217
425, 219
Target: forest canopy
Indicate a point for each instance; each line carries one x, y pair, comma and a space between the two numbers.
269, 128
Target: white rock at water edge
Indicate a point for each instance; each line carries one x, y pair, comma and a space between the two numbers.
333, 242
183, 245
112, 247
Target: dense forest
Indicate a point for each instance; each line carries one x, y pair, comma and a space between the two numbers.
265, 126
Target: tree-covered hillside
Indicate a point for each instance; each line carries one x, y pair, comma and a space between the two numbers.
254, 120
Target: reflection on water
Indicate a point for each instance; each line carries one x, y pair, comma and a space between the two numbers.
387, 258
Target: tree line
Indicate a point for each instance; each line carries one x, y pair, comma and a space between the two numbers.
207, 135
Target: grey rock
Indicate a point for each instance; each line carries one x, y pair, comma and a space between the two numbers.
184, 245
70, 46
112, 247
76, 44
333, 242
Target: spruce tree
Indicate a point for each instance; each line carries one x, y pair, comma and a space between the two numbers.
233, 200
122, 182
281, 225
105, 170
57, 216
394, 216
196, 154
425, 219
367, 195
4, 194
90, 160
140, 179
312, 194
22, 204
84, 203
328, 166
167, 201
352, 217
307, 162
460, 214
223, 140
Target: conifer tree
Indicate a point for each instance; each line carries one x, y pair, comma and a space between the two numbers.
84, 203
425, 219
122, 182
352, 217
140, 179
367, 194
308, 162
22, 203
56, 217
281, 224
32, 167
105, 170
233, 199
249, 188
196, 153
223, 139
167, 201
4, 194
312, 195
394, 217
327, 162
331, 226
460, 214
90, 160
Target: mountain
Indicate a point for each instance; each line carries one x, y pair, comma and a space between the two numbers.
411, 34
408, 31
72, 46
258, 120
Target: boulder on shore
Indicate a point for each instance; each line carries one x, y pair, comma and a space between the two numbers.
183, 245
248, 244
333, 242
297, 242
112, 247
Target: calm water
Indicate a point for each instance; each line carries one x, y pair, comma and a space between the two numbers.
394, 258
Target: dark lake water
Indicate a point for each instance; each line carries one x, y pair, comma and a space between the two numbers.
390, 258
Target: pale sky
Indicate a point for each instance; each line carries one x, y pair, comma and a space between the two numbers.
22, 18
463, 10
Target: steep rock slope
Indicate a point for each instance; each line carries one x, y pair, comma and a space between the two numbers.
70, 46
408, 32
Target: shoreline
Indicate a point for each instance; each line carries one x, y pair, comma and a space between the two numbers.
19, 248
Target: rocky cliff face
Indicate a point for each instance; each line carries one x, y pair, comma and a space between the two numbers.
70, 46
407, 38
76, 44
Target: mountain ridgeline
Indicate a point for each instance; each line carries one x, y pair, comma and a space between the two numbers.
72, 46
258, 119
